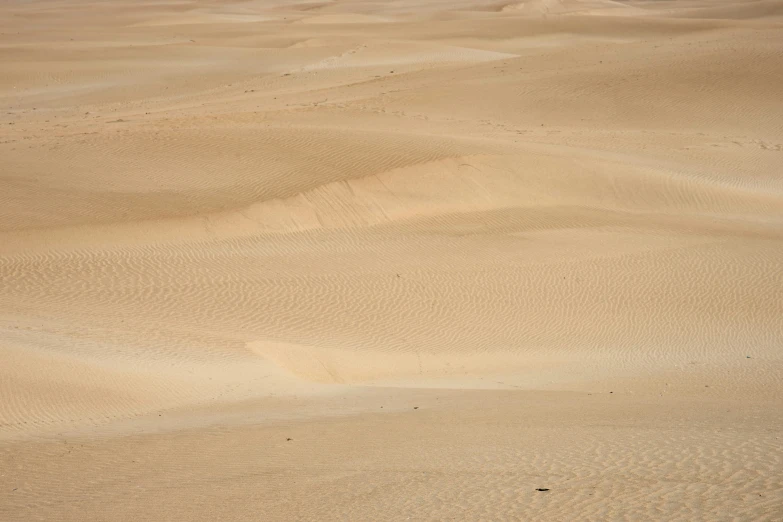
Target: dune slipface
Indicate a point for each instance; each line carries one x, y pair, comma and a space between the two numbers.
391, 260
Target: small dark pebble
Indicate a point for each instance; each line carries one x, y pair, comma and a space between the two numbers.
415, 407
542, 489
289, 439
747, 356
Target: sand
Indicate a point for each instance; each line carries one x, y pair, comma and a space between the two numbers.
409, 260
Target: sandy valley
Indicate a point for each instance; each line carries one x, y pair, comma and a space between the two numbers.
391, 260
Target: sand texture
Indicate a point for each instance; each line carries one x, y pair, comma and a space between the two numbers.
395, 260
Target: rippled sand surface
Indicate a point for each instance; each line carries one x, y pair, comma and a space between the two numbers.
396, 260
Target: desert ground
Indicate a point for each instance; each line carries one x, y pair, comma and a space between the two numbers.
391, 260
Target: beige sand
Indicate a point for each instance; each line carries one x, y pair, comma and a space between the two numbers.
399, 260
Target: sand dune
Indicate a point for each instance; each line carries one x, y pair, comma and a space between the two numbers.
387, 261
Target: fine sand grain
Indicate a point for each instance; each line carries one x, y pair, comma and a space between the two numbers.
398, 260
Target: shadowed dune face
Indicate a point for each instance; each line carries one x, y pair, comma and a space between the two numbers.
554, 226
